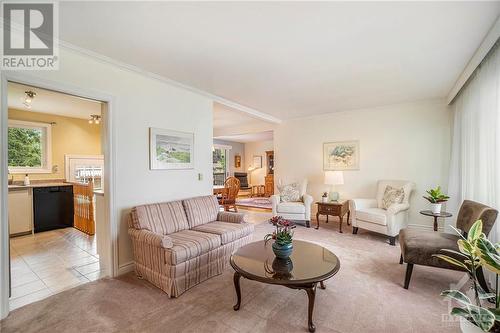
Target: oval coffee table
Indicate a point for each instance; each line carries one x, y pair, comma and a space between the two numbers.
308, 265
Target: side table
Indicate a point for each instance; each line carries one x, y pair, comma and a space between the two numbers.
333, 208
436, 216
258, 191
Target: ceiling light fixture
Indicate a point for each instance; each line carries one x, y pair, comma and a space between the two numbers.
94, 119
28, 99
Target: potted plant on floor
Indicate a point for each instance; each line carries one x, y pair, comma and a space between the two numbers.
436, 198
482, 312
282, 246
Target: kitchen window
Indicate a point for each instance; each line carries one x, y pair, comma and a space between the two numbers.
29, 147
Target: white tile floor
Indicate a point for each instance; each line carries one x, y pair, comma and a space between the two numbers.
49, 262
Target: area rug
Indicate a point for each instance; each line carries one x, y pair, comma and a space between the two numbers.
367, 295
263, 203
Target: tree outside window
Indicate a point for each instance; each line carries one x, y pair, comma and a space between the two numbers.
29, 147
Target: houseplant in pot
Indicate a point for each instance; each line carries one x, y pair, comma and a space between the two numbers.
282, 236
481, 311
436, 198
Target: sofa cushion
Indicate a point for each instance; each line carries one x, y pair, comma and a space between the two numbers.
373, 215
418, 247
291, 208
227, 231
161, 218
188, 244
201, 210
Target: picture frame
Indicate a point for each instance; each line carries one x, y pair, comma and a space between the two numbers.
341, 155
237, 161
170, 150
257, 161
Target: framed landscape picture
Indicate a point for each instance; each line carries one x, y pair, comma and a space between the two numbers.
342, 155
170, 149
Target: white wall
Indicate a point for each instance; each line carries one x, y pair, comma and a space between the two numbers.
257, 148
141, 102
410, 141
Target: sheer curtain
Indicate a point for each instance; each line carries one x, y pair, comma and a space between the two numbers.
475, 161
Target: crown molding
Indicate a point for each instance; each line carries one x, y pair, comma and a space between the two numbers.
489, 40
108, 60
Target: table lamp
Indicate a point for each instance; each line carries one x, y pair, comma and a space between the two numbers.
334, 178
250, 169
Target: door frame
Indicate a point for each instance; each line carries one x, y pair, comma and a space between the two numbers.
109, 153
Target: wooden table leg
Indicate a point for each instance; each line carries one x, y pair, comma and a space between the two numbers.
317, 221
341, 219
236, 280
311, 294
322, 285
348, 216
435, 223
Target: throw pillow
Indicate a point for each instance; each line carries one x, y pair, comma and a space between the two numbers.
392, 196
290, 192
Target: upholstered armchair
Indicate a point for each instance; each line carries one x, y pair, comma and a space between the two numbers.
368, 214
295, 210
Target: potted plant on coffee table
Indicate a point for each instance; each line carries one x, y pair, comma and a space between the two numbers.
481, 311
282, 236
436, 198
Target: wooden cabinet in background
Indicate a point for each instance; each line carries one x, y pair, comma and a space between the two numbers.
269, 179
269, 185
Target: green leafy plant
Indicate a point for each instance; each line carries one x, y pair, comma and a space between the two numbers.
476, 251
436, 196
283, 234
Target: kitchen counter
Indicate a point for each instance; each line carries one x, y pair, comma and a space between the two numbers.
39, 185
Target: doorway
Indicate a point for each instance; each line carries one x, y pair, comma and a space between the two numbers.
37, 254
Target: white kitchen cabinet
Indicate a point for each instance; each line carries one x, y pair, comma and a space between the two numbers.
20, 210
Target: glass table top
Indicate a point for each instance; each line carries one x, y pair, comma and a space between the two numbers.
308, 263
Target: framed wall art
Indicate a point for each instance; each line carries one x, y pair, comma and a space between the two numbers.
170, 149
343, 155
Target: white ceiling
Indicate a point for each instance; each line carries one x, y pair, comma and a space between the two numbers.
47, 101
290, 59
249, 137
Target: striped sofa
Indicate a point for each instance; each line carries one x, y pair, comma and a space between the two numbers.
179, 244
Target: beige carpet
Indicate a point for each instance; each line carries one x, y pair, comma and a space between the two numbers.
365, 296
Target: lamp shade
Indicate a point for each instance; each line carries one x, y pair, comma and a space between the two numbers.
334, 178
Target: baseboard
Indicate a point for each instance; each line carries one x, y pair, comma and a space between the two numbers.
126, 268
424, 227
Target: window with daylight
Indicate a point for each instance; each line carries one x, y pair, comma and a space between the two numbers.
29, 147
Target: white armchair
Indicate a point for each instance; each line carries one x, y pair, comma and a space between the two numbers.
296, 211
369, 214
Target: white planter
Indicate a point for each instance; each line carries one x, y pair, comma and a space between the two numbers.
468, 327
436, 208
324, 199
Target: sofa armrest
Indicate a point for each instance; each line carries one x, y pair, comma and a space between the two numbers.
231, 217
364, 203
275, 199
151, 238
396, 208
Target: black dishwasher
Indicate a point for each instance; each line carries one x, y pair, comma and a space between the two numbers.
52, 207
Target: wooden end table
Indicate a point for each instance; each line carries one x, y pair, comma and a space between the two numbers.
436, 216
333, 208
258, 191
